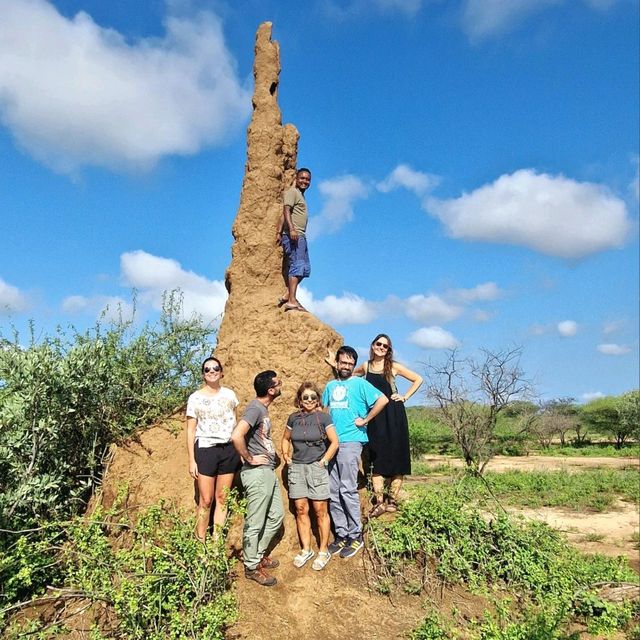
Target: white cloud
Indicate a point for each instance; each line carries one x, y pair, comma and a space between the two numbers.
600, 5
484, 18
346, 309
112, 307
433, 338
12, 300
538, 329
431, 308
403, 176
567, 328
74, 93
613, 326
591, 395
339, 194
484, 292
554, 215
353, 8
612, 349
153, 276
479, 315
408, 7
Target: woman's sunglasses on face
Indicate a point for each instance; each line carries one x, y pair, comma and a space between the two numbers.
382, 345
214, 367
311, 396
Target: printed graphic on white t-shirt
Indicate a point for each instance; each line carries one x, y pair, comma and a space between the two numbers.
215, 415
339, 398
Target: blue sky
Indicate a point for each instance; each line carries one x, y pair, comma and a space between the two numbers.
475, 168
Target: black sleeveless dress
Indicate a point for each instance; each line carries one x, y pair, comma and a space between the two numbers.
389, 434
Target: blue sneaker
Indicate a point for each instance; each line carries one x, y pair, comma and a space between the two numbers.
337, 545
352, 547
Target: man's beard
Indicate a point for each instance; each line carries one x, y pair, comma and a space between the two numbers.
344, 374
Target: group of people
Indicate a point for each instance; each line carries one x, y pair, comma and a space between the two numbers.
322, 446
323, 449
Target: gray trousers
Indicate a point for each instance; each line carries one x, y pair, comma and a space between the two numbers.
344, 504
264, 512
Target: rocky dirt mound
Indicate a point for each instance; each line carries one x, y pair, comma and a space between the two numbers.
256, 335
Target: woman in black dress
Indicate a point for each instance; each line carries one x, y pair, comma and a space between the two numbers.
389, 431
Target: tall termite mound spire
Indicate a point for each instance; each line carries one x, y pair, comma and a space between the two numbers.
271, 162
255, 334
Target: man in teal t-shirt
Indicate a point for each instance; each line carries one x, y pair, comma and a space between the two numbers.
352, 402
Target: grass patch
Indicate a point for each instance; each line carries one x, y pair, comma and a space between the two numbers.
593, 537
592, 489
551, 583
593, 449
420, 468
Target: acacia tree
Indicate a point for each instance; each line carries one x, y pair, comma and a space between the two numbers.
471, 393
617, 415
557, 417
629, 415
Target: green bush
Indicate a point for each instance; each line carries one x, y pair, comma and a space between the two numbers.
65, 399
529, 559
155, 578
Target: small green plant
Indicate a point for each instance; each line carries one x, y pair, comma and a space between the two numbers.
430, 629
529, 559
155, 578
529, 625
592, 489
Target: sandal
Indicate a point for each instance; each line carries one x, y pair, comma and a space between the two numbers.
301, 559
378, 510
294, 307
321, 561
392, 506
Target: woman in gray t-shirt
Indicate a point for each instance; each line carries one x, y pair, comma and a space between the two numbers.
308, 443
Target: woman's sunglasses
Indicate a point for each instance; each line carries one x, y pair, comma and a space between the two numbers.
312, 396
382, 345
214, 367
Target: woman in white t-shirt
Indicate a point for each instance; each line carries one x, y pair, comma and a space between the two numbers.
213, 461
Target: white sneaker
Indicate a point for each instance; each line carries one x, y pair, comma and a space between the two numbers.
301, 559
321, 561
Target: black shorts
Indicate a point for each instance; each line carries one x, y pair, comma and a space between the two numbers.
217, 460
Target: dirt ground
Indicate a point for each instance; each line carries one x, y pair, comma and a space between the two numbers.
344, 590
539, 463
342, 601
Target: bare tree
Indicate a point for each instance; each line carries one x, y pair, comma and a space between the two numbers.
471, 393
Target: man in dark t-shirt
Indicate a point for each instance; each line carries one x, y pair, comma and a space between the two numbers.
252, 440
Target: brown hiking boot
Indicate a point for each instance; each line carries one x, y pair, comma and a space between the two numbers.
269, 563
260, 576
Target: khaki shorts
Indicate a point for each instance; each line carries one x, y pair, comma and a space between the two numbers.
308, 481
